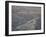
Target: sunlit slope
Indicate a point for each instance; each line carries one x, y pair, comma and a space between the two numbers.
30, 25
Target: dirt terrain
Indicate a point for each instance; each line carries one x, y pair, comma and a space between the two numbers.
26, 18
